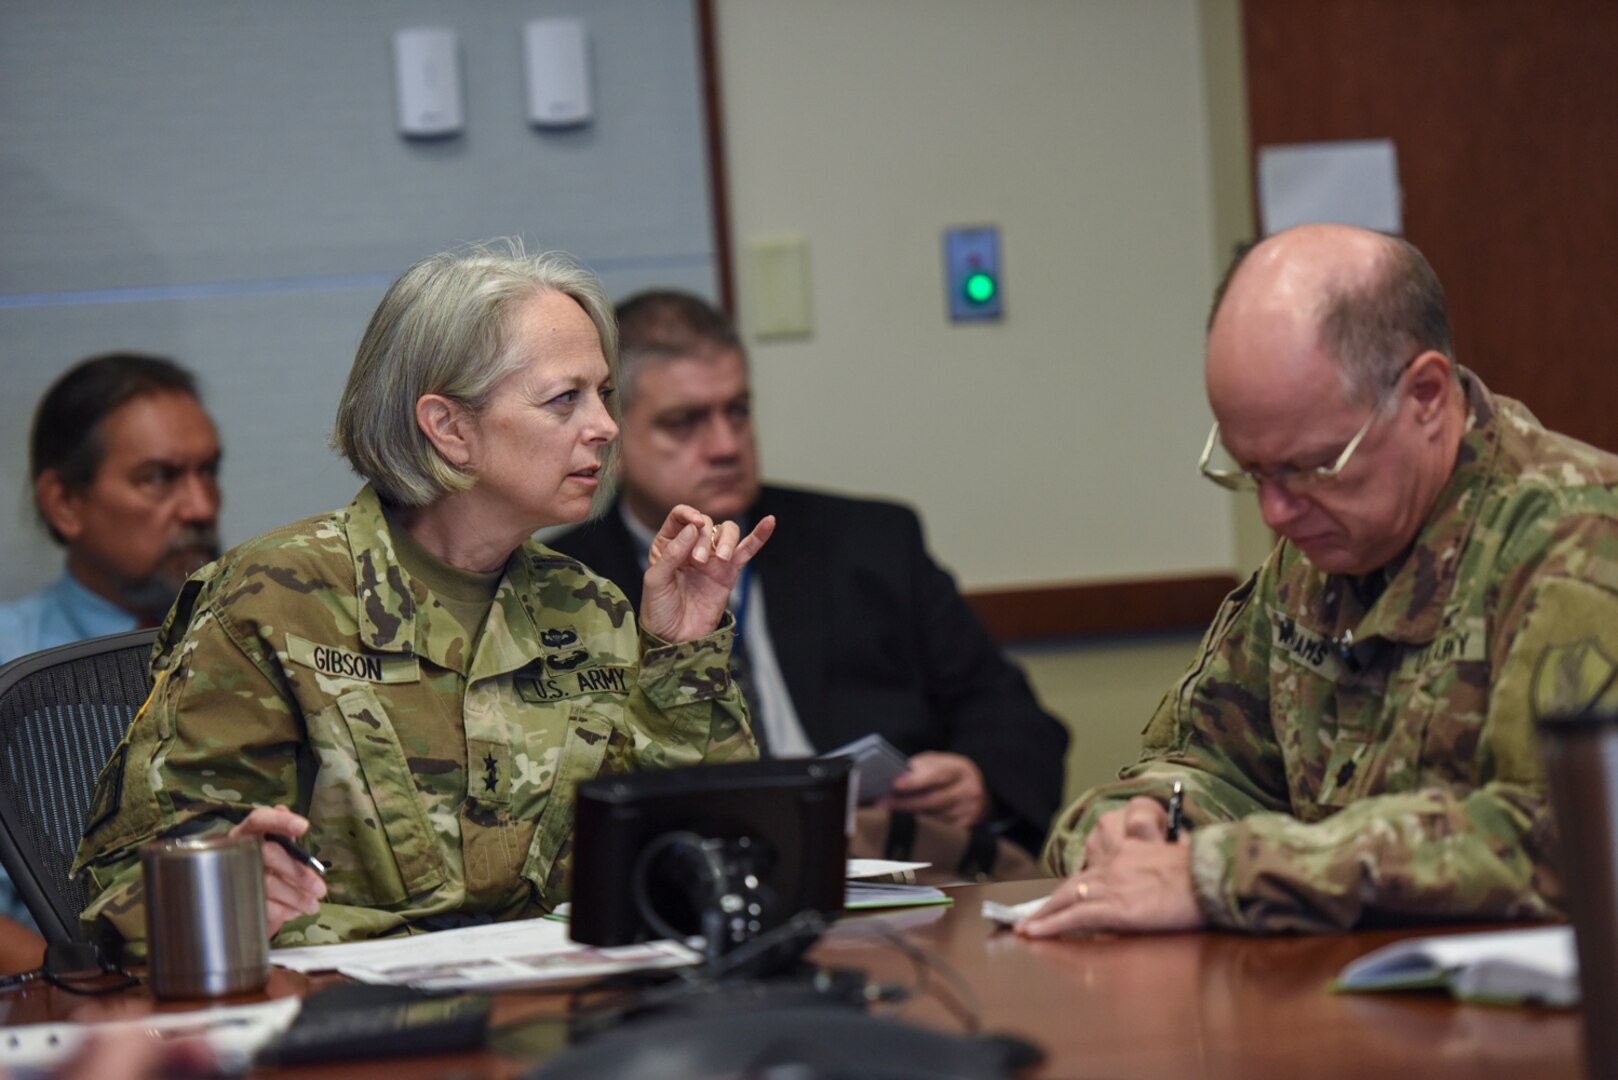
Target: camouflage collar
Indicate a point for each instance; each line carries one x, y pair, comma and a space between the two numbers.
390, 619
384, 600
1416, 601
510, 637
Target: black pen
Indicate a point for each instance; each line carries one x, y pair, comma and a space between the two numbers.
1176, 813
286, 845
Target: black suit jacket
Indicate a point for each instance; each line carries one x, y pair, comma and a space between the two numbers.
872, 635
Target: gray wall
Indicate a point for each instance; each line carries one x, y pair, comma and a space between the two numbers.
221, 180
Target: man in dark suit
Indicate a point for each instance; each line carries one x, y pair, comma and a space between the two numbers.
845, 625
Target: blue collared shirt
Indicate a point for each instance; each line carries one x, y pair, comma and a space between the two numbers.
65, 612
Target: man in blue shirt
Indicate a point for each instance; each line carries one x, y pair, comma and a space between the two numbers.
125, 467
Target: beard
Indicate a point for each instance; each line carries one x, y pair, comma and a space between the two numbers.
188, 551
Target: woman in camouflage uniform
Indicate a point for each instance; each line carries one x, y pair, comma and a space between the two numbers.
411, 685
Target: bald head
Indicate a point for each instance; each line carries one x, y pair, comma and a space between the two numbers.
1366, 301
1329, 345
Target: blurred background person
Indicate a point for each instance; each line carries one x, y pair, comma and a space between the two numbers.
125, 467
846, 625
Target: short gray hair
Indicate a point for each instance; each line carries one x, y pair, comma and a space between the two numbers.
667, 324
443, 328
1376, 325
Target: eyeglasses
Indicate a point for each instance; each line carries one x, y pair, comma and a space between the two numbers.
1292, 479
1287, 477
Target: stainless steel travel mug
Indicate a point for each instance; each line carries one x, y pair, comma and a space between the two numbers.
1581, 765
205, 928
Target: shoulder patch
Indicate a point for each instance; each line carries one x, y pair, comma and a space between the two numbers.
347, 664
109, 793
1570, 678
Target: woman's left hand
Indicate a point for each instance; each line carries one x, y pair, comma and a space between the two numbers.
690, 571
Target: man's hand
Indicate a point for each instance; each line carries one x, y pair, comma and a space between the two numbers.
291, 889
690, 570
1145, 885
1139, 819
945, 786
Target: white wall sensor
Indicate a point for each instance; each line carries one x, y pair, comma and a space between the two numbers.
556, 55
427, 72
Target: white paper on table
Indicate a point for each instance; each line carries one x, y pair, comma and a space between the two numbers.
1351, 182
870, 868
1535, 964
526, 952
1011, 914
863, 895
527, 967
492, 939
234, 1032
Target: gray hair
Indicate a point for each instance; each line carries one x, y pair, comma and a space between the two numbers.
666, 324
443, 328
1373, 324
1376, 326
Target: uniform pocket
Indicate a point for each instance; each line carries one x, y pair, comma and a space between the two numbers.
1457, 703
585, 749
370, 823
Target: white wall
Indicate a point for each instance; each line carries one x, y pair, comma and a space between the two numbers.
1060, 444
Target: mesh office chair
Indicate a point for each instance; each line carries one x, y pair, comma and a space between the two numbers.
62, 714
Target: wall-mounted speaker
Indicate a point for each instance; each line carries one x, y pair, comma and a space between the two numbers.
556, 56
427, 71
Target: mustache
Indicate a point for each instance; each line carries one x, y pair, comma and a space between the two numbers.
150, 598
193, 538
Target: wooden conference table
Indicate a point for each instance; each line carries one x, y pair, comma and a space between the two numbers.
1158, 1008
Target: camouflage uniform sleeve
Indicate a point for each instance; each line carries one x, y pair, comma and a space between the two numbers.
217, 736
685, 708
1211, 732
1439, 852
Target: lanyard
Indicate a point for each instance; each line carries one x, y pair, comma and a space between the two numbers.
744, 586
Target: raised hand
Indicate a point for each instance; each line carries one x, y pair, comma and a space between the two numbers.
690, 571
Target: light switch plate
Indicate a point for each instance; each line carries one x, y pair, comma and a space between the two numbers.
777, 287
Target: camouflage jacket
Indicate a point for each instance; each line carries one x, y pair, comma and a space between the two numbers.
1345, 764
306, 668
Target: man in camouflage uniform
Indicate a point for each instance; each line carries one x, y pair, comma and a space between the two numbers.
317, 628
1355, 738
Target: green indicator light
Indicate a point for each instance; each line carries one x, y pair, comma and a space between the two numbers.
979, 287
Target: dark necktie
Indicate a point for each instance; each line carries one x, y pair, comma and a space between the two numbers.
741, 672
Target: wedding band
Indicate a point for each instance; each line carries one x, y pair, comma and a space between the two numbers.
713, 538
1083, 889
